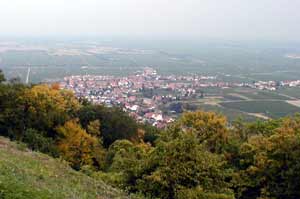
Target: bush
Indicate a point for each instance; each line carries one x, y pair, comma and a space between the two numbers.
37, 141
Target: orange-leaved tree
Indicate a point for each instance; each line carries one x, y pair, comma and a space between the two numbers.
78, 147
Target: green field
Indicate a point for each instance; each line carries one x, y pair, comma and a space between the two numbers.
273, 109
293, 92
238, 102
244, 93
231, 114
255, 94
263, 95
240, 62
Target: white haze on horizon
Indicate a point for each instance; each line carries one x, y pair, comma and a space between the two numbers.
229, 19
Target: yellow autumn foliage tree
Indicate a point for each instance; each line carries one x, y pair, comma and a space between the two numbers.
269, 164
46, 107
78, 147
210, 128
93, 128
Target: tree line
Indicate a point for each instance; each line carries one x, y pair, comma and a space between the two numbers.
200, 155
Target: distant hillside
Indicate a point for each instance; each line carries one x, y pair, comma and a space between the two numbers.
26, 174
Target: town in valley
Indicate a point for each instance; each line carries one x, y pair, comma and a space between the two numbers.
158, 99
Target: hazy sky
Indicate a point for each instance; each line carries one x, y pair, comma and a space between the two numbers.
230, 19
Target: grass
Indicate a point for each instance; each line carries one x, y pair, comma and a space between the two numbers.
273, 109
28, 175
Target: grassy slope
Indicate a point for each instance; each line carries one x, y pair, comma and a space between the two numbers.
27, 174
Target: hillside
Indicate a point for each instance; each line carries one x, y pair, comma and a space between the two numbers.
200, 155
27, 174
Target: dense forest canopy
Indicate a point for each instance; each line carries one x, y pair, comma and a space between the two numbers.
200, 155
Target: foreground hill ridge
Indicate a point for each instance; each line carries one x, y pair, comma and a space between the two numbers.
201, 155
28, 174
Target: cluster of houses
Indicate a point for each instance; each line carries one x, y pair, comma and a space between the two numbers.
274, 85
143, 93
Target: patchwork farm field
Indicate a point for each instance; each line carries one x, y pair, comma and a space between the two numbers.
250, 104
254, 94
247, 94
273, 109
231, 114
263, 95
293, 92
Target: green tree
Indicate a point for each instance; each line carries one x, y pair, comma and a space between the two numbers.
12, 116
182, 164
93, 128
270, 164
127, 159
38, 141
2, 78
210, 128
115, 124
